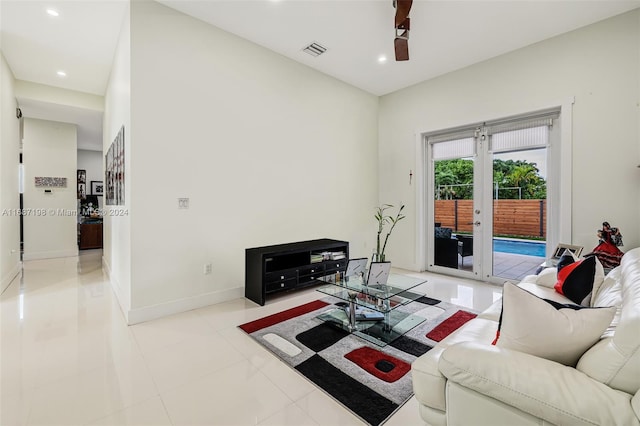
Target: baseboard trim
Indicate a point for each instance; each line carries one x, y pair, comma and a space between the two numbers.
8, 278
38, 255
149, 313
116, 288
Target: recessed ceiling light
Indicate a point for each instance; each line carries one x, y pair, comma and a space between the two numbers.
52, 12
382, 59
61, 74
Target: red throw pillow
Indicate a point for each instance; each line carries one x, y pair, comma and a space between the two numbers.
575, 281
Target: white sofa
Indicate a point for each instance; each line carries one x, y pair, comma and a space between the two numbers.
464, 380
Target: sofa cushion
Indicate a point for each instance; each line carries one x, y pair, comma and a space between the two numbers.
552, 392
576, 280
544, 292
546, 278
493, 311
615, 361
610, 294
547, 329
428, 382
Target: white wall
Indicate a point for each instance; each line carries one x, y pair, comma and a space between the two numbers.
116, 228
599, 65
49, 150
92, 162
9, 160
268, 151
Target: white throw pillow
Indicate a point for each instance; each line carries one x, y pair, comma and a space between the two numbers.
547, 329
547, 277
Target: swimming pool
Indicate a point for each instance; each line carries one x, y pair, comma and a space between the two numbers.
529, 248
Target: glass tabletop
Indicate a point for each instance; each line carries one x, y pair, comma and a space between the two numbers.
380, 333
382, 298
395, 285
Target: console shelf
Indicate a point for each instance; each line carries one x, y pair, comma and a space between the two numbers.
283, 267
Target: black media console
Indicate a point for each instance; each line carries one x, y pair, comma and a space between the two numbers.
283, 267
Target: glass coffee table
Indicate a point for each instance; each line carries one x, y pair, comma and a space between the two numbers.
371, 312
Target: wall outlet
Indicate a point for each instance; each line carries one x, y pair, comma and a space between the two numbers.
208, 268
183, 203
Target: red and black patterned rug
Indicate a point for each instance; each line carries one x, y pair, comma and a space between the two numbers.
369, 380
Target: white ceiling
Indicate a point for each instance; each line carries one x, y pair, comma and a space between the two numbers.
88, 122
81, 42
445, 35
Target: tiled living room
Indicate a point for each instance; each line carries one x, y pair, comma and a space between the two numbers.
68, 357
216, 131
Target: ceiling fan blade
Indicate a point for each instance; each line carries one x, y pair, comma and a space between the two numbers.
402, 48
402, 10
401, 42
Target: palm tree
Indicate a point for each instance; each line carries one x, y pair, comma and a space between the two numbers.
443, 181
524, 176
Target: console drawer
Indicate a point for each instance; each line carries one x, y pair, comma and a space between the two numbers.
335, 265
281, 275
311, 272
280, 285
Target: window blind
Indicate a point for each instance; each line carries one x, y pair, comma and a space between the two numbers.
524, 132
534, 119
528, 131
457, 148
453, 143
514, 140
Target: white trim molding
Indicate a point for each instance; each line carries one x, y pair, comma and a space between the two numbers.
12, 275
117, 289
38, 255
561, 196
160, 310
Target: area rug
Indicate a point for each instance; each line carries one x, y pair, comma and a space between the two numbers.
371, 381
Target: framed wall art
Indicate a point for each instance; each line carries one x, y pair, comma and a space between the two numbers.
114, 171
82, 184
50, 182
563, 248
97, 187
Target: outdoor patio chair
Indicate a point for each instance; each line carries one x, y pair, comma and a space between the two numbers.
465, 246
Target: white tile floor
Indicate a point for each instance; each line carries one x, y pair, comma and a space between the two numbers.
68, 358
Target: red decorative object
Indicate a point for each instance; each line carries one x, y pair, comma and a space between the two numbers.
450, 325
370, 359
265, 322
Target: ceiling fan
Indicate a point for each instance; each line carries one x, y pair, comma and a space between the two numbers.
401, 42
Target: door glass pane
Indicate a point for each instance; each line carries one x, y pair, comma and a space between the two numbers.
519, 212
453, 212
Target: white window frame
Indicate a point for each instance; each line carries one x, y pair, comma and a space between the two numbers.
559, 195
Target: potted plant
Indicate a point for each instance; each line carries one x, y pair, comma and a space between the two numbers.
384, 220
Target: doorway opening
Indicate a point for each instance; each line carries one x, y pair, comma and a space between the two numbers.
487, 211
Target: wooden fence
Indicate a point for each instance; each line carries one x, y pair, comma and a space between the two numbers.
525, 218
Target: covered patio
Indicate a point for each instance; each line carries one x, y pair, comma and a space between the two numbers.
509, 266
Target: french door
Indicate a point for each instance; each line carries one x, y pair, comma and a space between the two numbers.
486, 197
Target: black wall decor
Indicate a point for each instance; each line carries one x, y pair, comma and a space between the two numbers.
114, 171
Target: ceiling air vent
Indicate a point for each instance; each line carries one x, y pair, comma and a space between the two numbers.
314, 49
